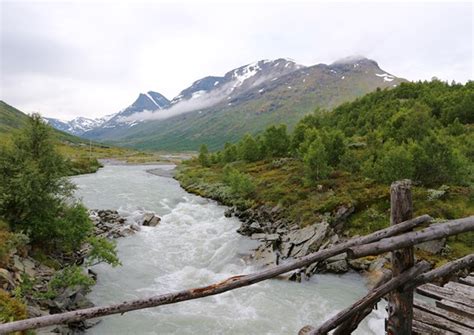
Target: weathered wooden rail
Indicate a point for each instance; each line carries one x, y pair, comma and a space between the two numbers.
398, 284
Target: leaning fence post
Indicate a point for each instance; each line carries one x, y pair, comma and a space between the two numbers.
400, 302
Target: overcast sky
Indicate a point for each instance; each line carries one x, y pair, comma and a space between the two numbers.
67, 59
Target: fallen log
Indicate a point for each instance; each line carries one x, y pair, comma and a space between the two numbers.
369, 300
433, 232
217, 288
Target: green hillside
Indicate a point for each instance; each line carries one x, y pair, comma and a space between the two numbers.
345, 160
283, 100
82, 153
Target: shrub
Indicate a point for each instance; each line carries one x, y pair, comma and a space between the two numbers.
240, 183
11, 309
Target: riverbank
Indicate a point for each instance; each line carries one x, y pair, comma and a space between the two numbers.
35, 283
291, 218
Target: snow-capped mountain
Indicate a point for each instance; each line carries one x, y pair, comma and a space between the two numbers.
150, 101
78, 125
238, 80
216, 109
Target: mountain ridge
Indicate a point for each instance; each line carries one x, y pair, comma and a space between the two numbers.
245, 99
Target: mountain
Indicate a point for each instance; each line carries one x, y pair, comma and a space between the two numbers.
216, 109
150, 101
12, 119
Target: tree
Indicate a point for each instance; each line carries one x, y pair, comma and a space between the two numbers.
334, 142
32, 184
204, 155
316, 161
277, 141
35, 195
395, 162
249, 150
229, 154
437, 162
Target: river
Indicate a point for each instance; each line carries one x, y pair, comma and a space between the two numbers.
196, 245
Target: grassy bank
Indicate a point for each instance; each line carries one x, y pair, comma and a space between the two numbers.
281, 182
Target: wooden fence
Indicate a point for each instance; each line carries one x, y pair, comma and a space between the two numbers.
398, 284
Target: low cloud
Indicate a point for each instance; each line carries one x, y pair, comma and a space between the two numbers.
205, 100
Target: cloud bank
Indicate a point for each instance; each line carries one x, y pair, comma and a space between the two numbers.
81, 58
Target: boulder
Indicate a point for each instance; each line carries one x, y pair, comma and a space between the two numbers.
339, 266
264, 255
150, 219
6, 279
258, 236
304, 245
378, 264
433, 247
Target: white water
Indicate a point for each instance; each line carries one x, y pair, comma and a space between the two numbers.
195, 245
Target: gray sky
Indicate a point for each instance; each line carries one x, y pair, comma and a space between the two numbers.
68, 59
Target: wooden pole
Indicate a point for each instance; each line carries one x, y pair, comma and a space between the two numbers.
217, 288
400, 301
369, 300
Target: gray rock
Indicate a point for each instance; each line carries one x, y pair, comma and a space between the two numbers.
264, 255
377, 264
359, 264
258, 236
336, 258
339, 266
255, 226
150, 219
272, 237
6, 279
318, 234
433, 247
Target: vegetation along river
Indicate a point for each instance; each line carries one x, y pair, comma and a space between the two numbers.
195, 245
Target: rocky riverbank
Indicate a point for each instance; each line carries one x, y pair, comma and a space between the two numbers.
34, 281
282, 240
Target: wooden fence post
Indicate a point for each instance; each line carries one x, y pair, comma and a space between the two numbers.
400, 301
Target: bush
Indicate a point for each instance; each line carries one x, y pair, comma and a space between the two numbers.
240, 183
394, 163
11, 309
67, 277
